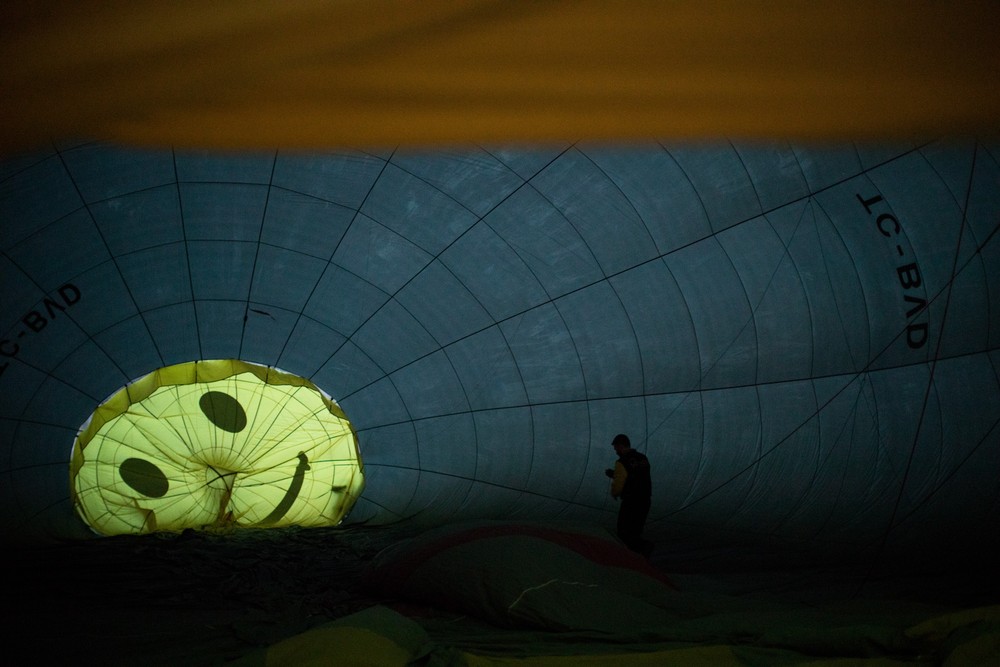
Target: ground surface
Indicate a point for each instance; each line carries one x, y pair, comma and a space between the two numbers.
206, 599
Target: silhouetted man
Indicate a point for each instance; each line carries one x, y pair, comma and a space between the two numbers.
630, 483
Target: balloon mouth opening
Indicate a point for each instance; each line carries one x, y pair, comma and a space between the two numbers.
217, 477
214, 443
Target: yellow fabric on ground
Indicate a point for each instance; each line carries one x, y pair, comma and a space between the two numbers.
338, 646
709, 656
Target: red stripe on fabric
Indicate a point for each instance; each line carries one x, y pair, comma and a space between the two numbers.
595, 549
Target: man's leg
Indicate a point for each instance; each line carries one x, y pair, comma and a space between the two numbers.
637, 511
630, 520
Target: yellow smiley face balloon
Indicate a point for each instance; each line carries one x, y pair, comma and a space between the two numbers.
215, 443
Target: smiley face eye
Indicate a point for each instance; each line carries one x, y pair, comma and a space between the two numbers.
224, 411
144, 477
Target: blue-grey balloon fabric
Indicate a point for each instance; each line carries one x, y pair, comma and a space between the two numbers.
803, 340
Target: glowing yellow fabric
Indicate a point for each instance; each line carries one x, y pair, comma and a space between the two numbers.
215, 443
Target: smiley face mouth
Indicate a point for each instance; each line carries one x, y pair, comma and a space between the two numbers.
291, 494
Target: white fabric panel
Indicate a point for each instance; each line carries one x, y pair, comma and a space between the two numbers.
378, 255
546, 356
391, 337
443, 305
582, 194
135, 269
487, 370
346, 367
779, 314
342, 300
175, 330
502, 459
663, 328
604, 341
560, 440
718, 306
212, 167
265, 330
33, 197
139, 221
305, 224
438, 457
837, 310
429, 387
475, 180
98, 178
224, 321
301, 351
659, 192
220, 269
343, 178
284, 278
142, 353
775, 172
552, 249
492, 270
422, 214
85, 252
721, 183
